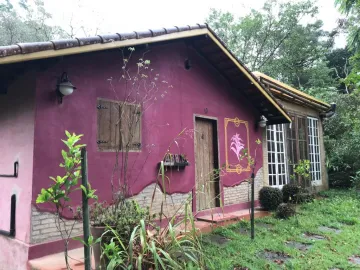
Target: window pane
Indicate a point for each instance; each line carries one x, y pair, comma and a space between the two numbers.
276, 154
314, 149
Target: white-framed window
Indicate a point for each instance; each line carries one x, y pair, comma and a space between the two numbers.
276, 156
314, 150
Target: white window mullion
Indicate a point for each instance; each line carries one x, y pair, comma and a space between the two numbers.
314, 151
276, 158
276, 148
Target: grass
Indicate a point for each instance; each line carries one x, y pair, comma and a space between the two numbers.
338, 209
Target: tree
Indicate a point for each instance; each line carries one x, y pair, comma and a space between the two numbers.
26, 23
275, 39
339, 63
343, 134
351, 8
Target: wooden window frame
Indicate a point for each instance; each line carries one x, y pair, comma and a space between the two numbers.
116, 149
295, 123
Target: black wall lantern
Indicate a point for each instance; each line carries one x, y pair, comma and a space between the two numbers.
262, 122
64, 87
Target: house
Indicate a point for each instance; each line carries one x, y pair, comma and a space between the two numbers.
197, 109
302, 139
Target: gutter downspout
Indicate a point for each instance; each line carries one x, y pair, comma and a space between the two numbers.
329, 113
11, 233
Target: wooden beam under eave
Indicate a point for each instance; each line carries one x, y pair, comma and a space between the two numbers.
251, 77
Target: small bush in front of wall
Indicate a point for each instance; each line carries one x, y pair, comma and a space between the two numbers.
304, 197
289, 192
270, 198
285, 210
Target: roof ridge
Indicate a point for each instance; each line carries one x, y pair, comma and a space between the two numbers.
58, 44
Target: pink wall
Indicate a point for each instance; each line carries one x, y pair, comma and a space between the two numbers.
193, 91
17, 115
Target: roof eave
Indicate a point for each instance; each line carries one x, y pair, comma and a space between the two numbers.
311, 100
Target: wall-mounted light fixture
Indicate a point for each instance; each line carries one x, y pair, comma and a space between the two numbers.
64, 87
262, 122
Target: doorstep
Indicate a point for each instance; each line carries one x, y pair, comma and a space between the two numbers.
57, 261
206, 223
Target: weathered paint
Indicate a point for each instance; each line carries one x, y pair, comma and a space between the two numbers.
199, 91
17, 114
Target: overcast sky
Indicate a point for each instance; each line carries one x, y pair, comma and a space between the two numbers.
112, 16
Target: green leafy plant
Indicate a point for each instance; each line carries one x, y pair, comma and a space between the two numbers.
124, 217
302, 170
270, 198
59, 193
156, 249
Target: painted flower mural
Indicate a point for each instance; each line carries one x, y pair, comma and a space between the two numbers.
237, 145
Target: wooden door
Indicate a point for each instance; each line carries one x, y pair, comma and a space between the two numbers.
205, 163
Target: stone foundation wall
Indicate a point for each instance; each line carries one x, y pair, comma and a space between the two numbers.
172, 204
44, 228
241, 192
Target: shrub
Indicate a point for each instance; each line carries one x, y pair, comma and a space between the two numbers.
355, 180
342, 179
304, 197
289, 192
270, 198
285, 210
124, 215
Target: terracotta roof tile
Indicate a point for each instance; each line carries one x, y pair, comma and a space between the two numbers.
35, 47
26, 48
64, 43
125, 36
143, 34
158, 32
109, 38
89, 40
9, 50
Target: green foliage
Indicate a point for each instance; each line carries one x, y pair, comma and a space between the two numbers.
156, 249
336, 210
123, 215
290, 191
26, 22
355, 180
304, 197
303, 168
59, 192
276, 41
342, 140
270, 198
285, 211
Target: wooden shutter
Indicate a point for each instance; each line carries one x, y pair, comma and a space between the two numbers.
103, 125
108, 133
130, 127
136, 140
